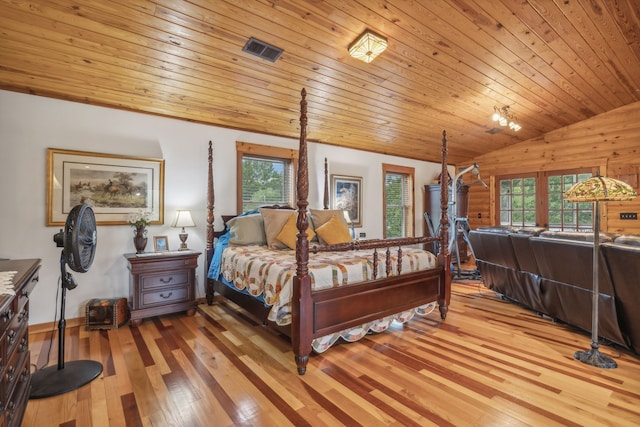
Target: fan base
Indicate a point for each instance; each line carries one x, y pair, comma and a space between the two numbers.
51, 381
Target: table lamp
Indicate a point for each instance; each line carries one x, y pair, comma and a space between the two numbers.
183, 219
350, 224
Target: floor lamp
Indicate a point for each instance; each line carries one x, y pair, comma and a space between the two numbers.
597, 189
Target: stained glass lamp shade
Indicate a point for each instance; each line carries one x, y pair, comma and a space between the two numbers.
597, 189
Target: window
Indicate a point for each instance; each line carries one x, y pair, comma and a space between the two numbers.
563, 215
266, 176
398, 201
518, 201
536, 199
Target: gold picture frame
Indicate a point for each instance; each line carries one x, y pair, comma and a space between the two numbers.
160, 244
113, 185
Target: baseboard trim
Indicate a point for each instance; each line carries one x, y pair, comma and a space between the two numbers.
72, 323
49, 326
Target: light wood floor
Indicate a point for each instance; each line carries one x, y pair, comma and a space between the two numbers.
490, 363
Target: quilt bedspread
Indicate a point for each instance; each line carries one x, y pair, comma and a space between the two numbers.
267, 273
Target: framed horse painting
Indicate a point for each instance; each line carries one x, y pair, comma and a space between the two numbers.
114, 186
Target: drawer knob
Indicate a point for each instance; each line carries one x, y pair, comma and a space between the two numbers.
166, 296
9, 375
168, 280
24, 345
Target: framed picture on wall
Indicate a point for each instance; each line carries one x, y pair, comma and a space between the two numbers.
114, 186
346, 194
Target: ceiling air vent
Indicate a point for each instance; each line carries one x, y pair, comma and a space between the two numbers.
493, 131
262, 49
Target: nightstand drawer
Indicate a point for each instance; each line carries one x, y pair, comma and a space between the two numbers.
170, 279
165, 296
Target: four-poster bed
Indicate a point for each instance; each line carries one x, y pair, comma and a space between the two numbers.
392, 288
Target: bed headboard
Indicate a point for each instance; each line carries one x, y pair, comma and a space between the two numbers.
303, 193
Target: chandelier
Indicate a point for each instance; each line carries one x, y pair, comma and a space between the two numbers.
504, 118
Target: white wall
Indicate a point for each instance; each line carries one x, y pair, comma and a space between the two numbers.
30, 124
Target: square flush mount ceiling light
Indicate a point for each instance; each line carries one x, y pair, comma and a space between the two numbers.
368, 46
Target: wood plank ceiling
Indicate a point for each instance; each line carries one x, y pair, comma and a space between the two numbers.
449, 62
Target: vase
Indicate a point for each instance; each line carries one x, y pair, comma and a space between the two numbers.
140, 239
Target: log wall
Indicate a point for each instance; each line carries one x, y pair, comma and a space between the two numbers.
610, 140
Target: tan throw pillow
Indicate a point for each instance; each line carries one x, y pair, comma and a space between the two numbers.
321, 216
289, 233
274, 220
247, 230
334, 231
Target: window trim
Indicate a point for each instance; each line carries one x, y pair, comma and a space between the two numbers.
267, 152
405, 170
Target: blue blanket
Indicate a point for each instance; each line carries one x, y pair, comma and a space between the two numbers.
223, 242
216, 260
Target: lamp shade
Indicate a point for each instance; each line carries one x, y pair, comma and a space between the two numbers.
368, 46
183, 219
600, 188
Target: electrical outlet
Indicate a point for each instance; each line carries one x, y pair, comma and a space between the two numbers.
363, 235
628, 215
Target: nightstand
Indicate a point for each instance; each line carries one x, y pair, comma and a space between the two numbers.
162, 283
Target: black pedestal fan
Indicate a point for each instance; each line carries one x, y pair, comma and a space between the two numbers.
78, 241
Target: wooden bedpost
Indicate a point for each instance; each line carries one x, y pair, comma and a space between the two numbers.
444, 257
325, 200
301, 303
209, 246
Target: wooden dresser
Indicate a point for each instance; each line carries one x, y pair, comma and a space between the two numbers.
15, 379
162, 283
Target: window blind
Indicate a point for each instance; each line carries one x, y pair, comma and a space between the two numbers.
266, 181
398, 205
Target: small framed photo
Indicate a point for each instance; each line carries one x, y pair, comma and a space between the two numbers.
160, 243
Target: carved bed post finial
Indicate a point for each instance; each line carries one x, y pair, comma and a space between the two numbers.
445, 257
210, 200
209, 245
325, 200
301, 313
302, 247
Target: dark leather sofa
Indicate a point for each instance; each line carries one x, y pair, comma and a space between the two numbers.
552, 273
623, 258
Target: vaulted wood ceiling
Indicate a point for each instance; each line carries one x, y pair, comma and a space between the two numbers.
449, 62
